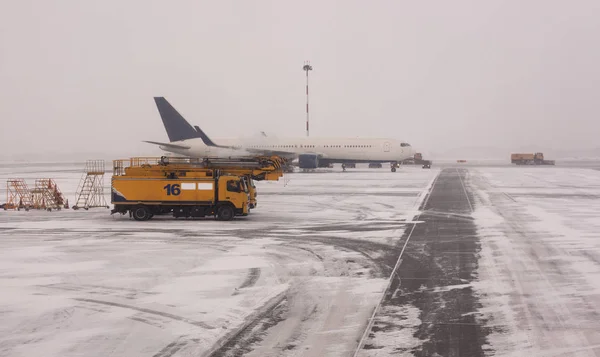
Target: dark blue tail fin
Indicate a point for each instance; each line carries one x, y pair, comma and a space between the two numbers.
177, 127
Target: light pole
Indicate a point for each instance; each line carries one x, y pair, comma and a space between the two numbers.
307, 67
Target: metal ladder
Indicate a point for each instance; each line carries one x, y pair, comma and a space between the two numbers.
90, 192
46, 195
18, 195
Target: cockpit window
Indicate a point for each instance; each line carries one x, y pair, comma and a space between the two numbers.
404, 144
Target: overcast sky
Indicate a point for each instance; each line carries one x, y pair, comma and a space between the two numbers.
80, 75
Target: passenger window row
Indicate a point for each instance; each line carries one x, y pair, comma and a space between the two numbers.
308, 146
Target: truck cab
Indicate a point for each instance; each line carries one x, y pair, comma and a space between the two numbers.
233, 192
538, 157
251, 189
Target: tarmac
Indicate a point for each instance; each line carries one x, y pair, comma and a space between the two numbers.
460, 260
435, 272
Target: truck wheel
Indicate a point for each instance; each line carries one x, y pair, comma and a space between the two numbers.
141, 213
225, 213
393, 169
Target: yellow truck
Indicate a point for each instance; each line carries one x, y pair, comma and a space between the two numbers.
145, 187
530, 159
249, 169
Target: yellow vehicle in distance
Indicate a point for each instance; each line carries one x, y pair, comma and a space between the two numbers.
144, 187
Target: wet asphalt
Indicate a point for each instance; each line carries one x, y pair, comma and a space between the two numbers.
439, 263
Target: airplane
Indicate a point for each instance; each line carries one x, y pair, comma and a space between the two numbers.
310, 152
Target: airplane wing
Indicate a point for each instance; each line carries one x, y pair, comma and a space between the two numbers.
285, 154
271, 152
169, 145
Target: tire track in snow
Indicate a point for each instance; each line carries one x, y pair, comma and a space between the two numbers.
365, 248
300, 313
311, 252
251, 279
172, 348
149, 311
241, 336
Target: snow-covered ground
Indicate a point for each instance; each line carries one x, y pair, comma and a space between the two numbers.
539, 270
301, 275
312, 259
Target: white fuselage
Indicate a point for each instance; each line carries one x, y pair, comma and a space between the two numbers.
331, 149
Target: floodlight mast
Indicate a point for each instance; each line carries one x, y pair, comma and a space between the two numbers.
307, 67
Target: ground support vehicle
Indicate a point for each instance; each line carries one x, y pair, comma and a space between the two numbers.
247, 169
530, 159
144, 189
417, 159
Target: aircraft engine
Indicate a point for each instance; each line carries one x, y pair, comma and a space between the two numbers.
308, 161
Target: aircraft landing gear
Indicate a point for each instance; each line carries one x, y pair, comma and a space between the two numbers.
394, 165
343, 167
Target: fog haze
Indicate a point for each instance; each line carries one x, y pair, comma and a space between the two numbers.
78, 77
